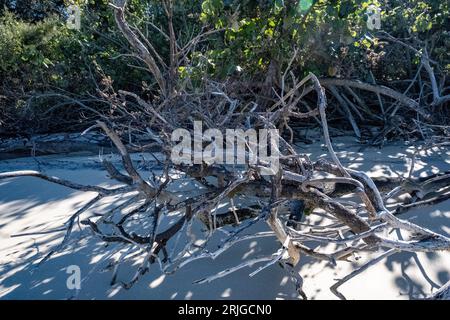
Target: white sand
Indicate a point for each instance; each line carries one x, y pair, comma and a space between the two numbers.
29, 205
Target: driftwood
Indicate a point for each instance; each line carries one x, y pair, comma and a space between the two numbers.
442, 294
293, 182
248, 195
53, 144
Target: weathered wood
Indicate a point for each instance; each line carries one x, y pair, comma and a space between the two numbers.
442, 294
62, 143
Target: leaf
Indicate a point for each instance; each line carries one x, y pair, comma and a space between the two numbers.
47, 62
278, 5
304, 5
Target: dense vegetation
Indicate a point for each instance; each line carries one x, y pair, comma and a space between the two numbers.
49, 72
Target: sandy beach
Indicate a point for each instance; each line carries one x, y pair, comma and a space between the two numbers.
29, 205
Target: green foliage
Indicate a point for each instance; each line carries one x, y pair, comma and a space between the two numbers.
36, 53
258, 32
324, 32
42, 55
32, 10
39, 54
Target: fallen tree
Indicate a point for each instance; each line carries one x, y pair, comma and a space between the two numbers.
247, 194
356, 227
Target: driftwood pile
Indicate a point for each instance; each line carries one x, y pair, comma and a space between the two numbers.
300, 184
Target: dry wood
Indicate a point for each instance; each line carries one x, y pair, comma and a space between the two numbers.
229, 200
